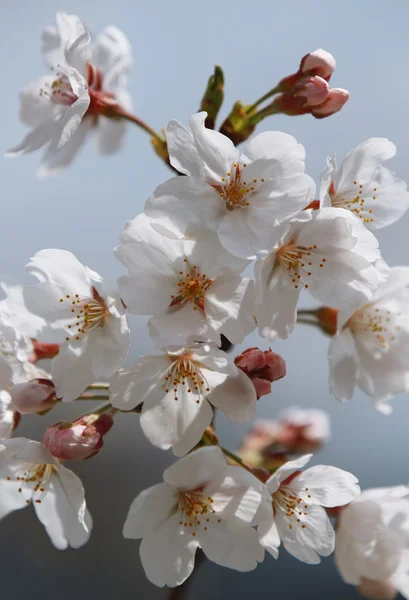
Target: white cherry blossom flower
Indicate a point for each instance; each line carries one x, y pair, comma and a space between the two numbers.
87, 86
371, 349
330, 255
203, 503
295, 514
364, 186
193, 288
242, 196
82, 314
372, 539
14, 311
178, 389
30, 474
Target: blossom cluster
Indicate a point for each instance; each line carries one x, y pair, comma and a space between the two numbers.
223, 248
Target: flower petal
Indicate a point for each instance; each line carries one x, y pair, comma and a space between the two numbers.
196, 469
236, 397
149, 510
343, 363
327, 486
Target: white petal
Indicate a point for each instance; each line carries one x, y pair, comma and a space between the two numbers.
111, 134
229, 307
109, 346
343, 363
269, 537
283, 149
112, 55
328, 486
149, 510
363, 159
182, 150
26, 450
285, 471
345, 558
168, 554
35, 108
143, 381
232, 546
180, 324
72, 370
196, 469
10, 497
236, 397
62, 511
34, 140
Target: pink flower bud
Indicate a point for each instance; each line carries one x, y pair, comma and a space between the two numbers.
335, 101
310, 91
377, 590
320, 62
78, 440
263, 367
35, 396
328, 319
44, 350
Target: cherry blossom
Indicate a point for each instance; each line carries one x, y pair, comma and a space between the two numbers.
242, 196
193, 288
29, 474
203, 503
14, 311
372, 540
81, 313
87, 88
330, 255
371, 349
178, 389
295, 514
364, 186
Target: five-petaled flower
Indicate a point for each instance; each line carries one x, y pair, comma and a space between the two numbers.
81, 313
87, 88
293, 513
242, 196
178, 389
203, 503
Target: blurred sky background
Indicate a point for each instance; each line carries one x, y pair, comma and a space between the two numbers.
176, 45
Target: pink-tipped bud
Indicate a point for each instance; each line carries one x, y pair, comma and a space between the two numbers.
44, 350
37, 396
377, 590
328, 319
336, 99
263, 367
320, 62
310, 91
78, 440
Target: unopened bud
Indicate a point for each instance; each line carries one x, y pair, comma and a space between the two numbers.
320, 62
44, 350
213, 97
336, 99
78, 440
310, 91
328, 319
263, 367
377, 590
37, 396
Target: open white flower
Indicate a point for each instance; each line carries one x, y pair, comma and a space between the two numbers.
202, 503
296, 516
372, 539
89, 321
330, 255
364, 186
242, 196
178, 389
30, 474
87, 85
371, 349
193, 288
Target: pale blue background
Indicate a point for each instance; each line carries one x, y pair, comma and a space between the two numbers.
175, 46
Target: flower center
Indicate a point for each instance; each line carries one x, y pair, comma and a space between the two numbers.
376, 326
87, 313
196, 510
60, 91
353, 198
35, 478
235, 190
299, 262
191, 287
292, 505
186, 372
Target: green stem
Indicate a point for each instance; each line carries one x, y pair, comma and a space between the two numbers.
91, 397
236, 459
310, 312
141, 124
266, 96
98, 386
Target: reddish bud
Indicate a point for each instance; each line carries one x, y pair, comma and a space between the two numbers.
377, 590
37, 396
313, 205
336, 99
310, 91
320, 62
263, 367
43, 350
328, 319
78, 440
